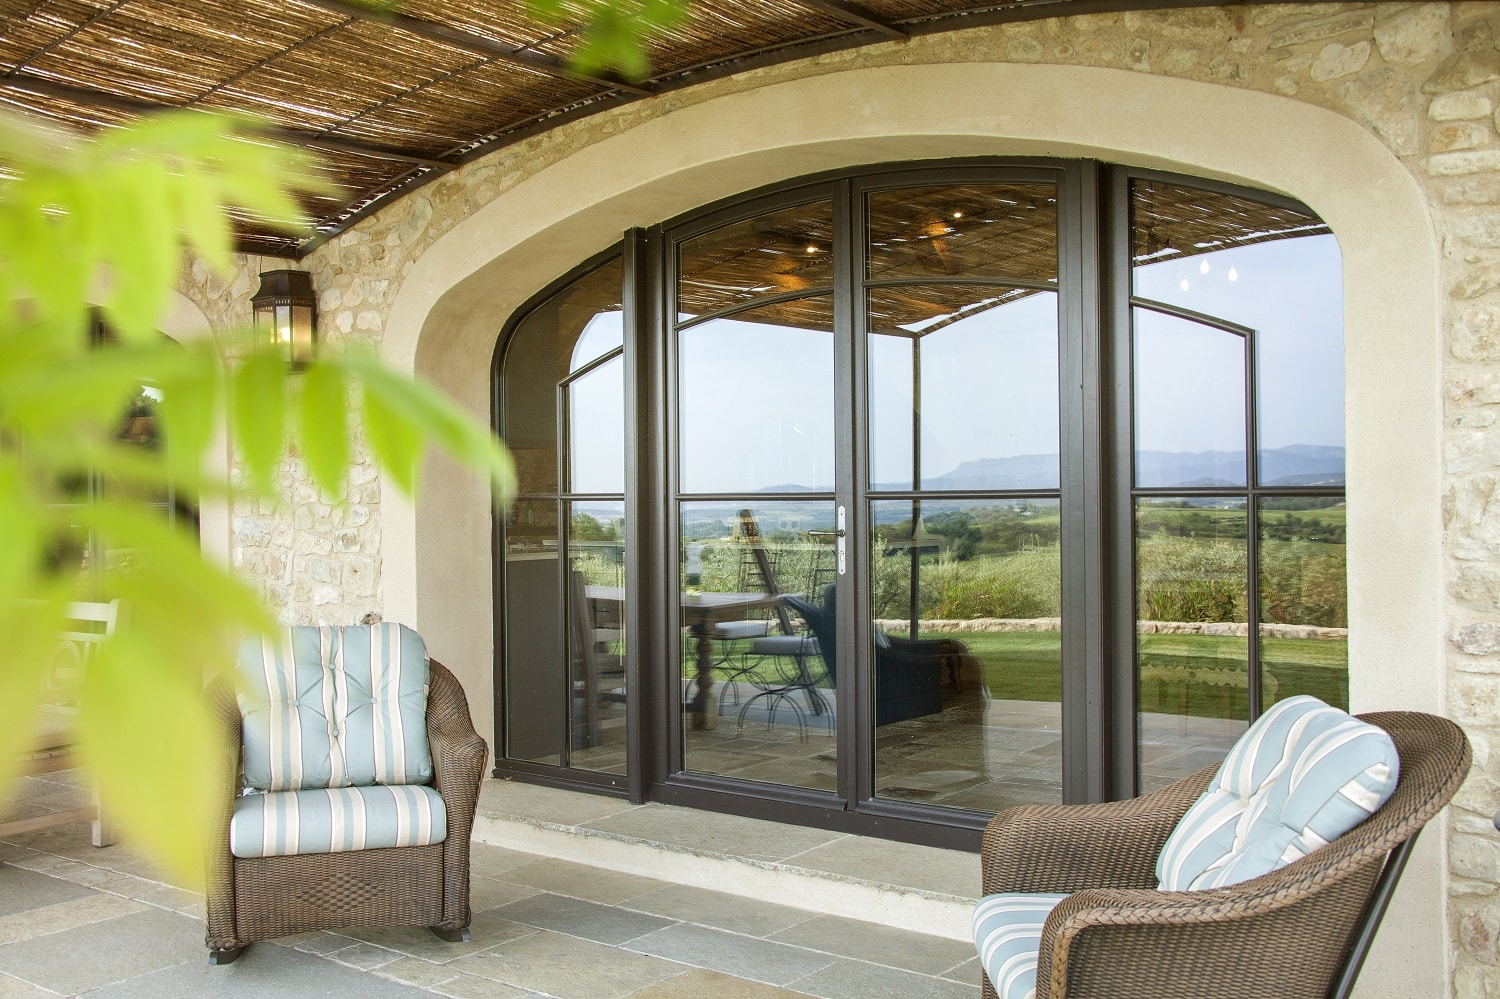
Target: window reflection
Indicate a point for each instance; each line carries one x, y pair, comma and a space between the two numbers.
784, 251
963, 393
1189, 403
976, 230
755, 406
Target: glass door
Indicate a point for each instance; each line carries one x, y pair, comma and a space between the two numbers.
757, 516
959, 324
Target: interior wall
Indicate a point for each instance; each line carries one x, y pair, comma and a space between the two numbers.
448, 312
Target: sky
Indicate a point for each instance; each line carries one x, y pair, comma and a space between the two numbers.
756, 400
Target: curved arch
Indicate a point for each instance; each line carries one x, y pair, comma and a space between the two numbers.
445, 317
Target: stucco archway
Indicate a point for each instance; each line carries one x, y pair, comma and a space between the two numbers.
443, 323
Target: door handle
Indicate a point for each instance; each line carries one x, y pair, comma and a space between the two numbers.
838, 536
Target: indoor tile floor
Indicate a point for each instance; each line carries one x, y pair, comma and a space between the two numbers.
75, 920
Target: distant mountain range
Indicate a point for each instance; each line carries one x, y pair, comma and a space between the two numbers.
1296, 465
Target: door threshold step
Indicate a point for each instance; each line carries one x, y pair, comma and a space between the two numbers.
922, 889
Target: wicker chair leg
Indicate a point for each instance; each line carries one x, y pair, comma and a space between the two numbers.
458, 934
227, 955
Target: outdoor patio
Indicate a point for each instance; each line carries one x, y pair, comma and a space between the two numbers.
76, 920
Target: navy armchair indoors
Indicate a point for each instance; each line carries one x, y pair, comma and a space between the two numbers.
913, 677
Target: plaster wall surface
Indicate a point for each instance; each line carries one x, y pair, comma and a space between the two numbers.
1381, 117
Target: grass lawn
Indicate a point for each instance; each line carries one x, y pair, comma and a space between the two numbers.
1026, 666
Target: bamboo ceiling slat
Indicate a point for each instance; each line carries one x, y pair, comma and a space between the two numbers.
406, 99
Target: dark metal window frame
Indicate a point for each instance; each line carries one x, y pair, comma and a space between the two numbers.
1096, 492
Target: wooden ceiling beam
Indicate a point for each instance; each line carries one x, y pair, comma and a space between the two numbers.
84, 97
467, 40
848, 10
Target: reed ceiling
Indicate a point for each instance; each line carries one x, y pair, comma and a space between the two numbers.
390, 102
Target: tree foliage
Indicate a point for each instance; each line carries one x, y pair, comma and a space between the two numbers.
104, 223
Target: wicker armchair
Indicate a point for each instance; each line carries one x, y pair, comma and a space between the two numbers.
266, 897
1300, 931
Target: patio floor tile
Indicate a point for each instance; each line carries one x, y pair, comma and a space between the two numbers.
547, 804
21, 890
486, 930
576, 917
568, 968
491, 893
859, 980
415, 971
265, 971
474, 987
879, 944
711, 832
924, 867
580, 881
364, 956
721, 910
741, 956
701, 984
85, 957
14, 988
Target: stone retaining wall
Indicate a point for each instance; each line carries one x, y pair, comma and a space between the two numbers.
895, 626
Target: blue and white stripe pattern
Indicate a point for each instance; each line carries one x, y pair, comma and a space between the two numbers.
1008, 931
335, 707
333, 820
1301, 776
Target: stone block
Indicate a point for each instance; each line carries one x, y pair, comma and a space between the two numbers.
1474, 699
1475, 857
1384, 100
1464, 71
1320, 28
1335, 60
324, 595
1459, 135
1476, 280
1465, 162
1462, 105
1475, 335
1477, 639
251, 533
1414, 36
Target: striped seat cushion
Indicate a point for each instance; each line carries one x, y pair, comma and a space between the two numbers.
1301, 776
333, 820
1008, 931
335, 707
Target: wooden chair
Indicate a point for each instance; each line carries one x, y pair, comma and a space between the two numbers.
1300, 932
56, 738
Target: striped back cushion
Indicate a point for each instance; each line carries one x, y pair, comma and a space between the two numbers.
335, 707
1301, 776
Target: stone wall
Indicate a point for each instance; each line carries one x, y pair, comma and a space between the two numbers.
1424, 78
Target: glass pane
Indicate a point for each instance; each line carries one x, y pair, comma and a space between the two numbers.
785, 251
540, 354
1304, 630
755, 401
970, 373
758, 665
975, 230
1277, 272
596, 430
535, 699
1189, 404
966, 599
1192, 644
596, 635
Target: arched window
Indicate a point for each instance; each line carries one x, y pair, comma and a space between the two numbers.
959, 485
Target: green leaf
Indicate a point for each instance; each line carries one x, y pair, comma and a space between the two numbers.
201, 214
259, 425
189, 409
148, 739
324, 426
431, 414
31, 628
395, 442
142, 251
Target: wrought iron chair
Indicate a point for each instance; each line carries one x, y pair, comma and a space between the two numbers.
1300, 931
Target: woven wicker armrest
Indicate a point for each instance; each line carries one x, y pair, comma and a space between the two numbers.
1067, 848
224, 713
1119, 942
458, 752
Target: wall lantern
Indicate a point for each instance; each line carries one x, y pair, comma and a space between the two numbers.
286, 314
